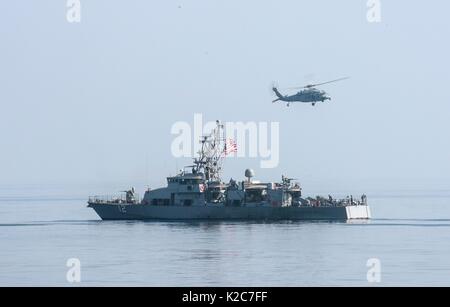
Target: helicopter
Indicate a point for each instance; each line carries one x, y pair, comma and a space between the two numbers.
308, 94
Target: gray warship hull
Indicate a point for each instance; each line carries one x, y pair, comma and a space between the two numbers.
199, 193
108, 211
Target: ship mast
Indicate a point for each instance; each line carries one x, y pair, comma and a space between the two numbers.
211, 155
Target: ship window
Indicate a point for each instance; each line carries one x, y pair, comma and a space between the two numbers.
187, 202
160, 202
190, 181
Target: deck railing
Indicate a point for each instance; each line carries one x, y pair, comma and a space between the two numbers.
113, 199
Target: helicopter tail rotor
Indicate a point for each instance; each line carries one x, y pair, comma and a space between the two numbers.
273, 86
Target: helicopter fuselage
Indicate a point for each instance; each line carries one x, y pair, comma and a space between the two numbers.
311, 95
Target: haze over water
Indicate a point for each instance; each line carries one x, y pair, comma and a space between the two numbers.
42, 228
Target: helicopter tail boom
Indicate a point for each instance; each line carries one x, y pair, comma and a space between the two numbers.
280, 97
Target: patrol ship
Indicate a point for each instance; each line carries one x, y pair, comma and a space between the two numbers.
198, 193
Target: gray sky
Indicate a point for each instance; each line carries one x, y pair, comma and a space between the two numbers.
94, 102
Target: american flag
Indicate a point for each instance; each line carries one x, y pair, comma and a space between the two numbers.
230, 147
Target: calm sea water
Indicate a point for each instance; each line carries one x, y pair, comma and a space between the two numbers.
40, 229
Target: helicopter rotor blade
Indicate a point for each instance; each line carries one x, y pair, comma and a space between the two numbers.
332, 81
317, 84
